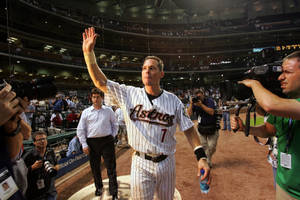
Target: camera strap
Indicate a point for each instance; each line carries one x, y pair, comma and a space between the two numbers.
289, 135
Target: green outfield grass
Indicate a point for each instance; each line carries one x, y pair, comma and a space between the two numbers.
259, 120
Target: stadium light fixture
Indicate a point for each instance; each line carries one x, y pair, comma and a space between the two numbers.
48, 47
12, 39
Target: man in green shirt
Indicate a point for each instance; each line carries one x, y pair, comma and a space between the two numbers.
284, 122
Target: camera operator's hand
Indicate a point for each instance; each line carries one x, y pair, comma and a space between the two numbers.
89, 40
249, 82
236, 122
37, 164
86, 150
9, 105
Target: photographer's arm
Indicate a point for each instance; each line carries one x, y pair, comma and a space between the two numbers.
207, 109
271, 103
264, 131
89, 41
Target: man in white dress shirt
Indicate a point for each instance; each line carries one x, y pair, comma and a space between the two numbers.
96, 131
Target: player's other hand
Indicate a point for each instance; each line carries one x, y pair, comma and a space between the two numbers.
202, 164
86, 150
237, 123
89, 40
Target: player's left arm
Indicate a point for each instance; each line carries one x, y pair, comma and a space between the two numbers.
194, 141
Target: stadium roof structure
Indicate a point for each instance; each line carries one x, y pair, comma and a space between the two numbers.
180, 11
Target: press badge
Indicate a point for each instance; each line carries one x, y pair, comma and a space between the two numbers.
286, 160
40, 183
8, 186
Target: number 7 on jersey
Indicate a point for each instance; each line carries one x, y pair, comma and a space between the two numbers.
164, 131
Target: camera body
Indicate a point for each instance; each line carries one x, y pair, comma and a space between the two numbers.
49, 168
218, 117
195, 99
36, 89
266, 74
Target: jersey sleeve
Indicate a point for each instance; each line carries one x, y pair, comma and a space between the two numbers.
116, 94
183, 119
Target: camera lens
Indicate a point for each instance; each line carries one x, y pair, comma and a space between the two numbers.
49, 169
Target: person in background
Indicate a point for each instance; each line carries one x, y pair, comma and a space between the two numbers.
204, 107
72, 119
74, 146
42, 169
56, 119
12, 132
29, 110
96, 131
282, 122
122, 127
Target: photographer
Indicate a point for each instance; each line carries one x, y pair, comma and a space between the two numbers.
204, 107
12, 131
42, 169
285, 125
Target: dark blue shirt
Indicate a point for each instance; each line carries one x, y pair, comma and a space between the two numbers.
206, 119
58, 105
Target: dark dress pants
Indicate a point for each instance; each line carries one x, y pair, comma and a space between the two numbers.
103, 146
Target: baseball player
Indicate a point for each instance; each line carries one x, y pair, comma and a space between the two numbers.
151, 115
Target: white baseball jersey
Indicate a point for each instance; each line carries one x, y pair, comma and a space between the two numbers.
151, 126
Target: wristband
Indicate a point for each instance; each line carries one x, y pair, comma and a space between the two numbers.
200, 153
15, 132
90, 58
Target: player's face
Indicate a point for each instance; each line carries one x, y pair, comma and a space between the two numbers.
96, 99
151, 74
290, 77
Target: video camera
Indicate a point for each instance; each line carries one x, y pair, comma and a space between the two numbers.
36, 89
266, 74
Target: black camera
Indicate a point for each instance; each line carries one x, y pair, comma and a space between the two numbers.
195, 99
50, 169
266, 74
36, 89
218, 117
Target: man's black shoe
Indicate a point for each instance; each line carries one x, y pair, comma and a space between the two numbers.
115, 197
98, 192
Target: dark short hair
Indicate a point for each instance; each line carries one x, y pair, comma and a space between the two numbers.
295, 54
159, 61
38, 133
200, 91
97, 91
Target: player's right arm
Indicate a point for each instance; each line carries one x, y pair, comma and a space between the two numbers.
263, 131
98, 77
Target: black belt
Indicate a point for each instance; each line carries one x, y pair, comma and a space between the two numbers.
153, 159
